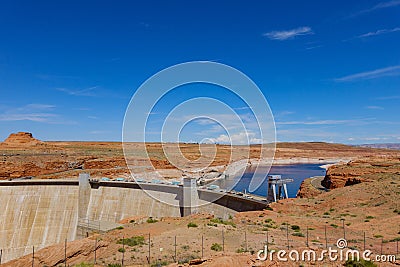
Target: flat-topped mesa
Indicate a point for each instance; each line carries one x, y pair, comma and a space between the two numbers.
21, 139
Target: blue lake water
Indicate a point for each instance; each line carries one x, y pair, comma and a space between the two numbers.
298, 172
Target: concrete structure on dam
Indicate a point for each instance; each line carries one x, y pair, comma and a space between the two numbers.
44, 212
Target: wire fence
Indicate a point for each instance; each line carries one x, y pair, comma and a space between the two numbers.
205, 241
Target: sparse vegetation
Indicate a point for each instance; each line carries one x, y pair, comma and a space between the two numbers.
192, 224
133, 241
295, 227
298, 234
220, 221
84, 264
216, 247
361, 263
159, 263
151, 220
120, 227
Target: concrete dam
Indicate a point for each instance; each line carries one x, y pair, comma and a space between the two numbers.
40, 213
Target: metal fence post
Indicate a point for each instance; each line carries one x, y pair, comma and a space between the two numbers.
202, 246
364, 241
245, 239
1, 254
123, 251
175, 259
65, 253
95, 250
287, 235
33, 256
223, 241
149, 249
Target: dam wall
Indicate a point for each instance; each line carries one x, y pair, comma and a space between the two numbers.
40, 213
36, 216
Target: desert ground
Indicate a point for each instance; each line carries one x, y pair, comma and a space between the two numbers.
361, 203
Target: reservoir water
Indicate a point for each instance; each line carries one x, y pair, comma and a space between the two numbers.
298, 172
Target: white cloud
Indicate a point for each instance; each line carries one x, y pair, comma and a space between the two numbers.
374, 107
324, 122
388, 97
241, 138
381, 5
379, 32
288, 34
389, 71
83, 92
30, 112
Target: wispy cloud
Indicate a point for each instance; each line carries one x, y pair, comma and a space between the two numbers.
30, 112
326, 122
388, 97
378, 32
374, 107
288, 34
381, 5
84, 92
389, 71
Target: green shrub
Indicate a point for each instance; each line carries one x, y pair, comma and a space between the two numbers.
84, 264
334, 225
120, 227
114, 265
295, 227
361, 263
216, 247
192, 224
220, 221
298, 234
151, 220
133, 241
159, 263
122, 250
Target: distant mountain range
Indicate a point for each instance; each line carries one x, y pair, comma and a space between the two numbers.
388, 145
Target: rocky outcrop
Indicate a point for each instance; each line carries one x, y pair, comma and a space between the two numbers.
307, 190
359, 171
21, 139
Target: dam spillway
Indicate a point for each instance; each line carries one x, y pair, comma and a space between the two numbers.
44, 212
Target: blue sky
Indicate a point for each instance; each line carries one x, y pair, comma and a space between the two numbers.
330, 70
